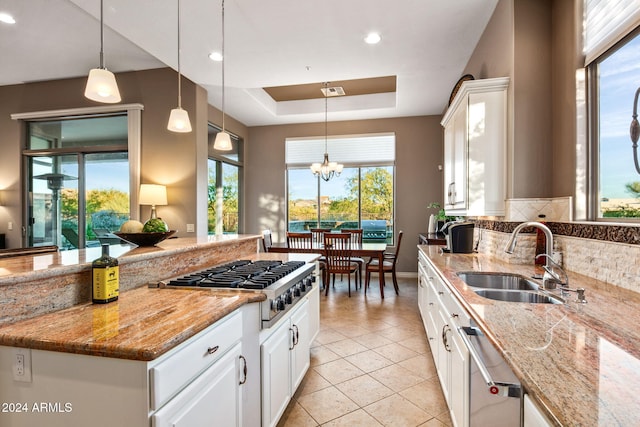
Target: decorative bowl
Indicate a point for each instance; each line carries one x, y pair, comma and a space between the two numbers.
145, 239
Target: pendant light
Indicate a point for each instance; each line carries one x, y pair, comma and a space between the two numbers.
326, 170
101, 84
223, 140
179, 118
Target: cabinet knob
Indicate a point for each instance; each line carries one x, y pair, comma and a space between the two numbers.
212, 350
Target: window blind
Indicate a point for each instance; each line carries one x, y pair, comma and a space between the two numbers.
606, 22
348, 150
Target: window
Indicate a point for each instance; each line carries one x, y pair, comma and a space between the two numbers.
361, 197
224, 186
616, 76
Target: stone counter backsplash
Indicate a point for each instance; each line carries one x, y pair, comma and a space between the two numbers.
610, 253
35, 292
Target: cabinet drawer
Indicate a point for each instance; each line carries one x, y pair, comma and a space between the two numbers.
171, 375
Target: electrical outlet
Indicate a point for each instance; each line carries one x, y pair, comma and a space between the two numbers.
22, 365
190, 228
10, 226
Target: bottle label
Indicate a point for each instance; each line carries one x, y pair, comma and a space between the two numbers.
106, 284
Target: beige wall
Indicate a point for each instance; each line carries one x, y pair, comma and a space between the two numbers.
166, 157
418, 180
517, 44
566, 58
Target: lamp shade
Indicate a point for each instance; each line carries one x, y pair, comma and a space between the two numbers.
152, 194
179, 121
222, 142
102, 86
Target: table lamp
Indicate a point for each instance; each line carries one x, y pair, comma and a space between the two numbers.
153, 194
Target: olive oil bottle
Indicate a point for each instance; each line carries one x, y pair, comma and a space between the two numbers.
106, 278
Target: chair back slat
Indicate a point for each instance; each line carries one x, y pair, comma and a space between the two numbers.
297, 240
337, 248
356, 234
318, 234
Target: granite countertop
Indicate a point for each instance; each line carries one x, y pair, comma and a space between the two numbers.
580, 362
142, 324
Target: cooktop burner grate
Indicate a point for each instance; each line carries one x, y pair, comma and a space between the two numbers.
240, 274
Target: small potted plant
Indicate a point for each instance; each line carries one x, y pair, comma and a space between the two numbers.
439, 218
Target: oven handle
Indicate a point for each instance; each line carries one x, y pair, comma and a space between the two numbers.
465, 332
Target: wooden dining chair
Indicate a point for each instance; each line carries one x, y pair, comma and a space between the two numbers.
337, 250
388, 265
267, 240
356, 239
303, 242
299, 240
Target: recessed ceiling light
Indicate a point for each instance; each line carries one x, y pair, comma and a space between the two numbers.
215, 56
6, 18
372, 38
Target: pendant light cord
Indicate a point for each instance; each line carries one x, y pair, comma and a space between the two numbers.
326, 117
224, 59
102, 35
179, 73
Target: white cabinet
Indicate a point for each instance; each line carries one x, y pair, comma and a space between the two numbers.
442, 316
285, 356
533, 415
201, 382
475, 141
213, 398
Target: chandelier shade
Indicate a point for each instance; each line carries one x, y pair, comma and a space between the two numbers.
179, 118
326, 170
223, 139
101, 84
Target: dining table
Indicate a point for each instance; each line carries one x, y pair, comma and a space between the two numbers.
373, 250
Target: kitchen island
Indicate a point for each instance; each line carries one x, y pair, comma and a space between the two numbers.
153, 356
580, 363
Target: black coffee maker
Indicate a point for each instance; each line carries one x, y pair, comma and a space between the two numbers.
459, 237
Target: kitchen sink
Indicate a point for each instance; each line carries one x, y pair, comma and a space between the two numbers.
507, 287
504, 281
533, 297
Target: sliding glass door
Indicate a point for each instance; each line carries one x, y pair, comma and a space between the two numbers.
77, 181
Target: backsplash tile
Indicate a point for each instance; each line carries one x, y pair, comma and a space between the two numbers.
596, 256
554, 209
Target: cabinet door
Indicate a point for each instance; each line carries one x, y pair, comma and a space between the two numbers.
444, 351
300, 355
448, 164
533, 416
459, 381
432, 321
423, 283
276, 374
211, 399
487, 153
460, 157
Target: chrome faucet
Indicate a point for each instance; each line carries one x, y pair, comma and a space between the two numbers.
550, 278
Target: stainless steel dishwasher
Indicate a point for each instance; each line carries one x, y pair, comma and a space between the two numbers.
495, 395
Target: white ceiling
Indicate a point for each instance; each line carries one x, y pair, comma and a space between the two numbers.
425, 43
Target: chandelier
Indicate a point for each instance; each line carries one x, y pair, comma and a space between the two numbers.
326, 170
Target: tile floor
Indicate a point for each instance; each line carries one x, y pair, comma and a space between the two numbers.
370, 364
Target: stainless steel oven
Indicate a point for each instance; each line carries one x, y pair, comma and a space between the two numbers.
495, 394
